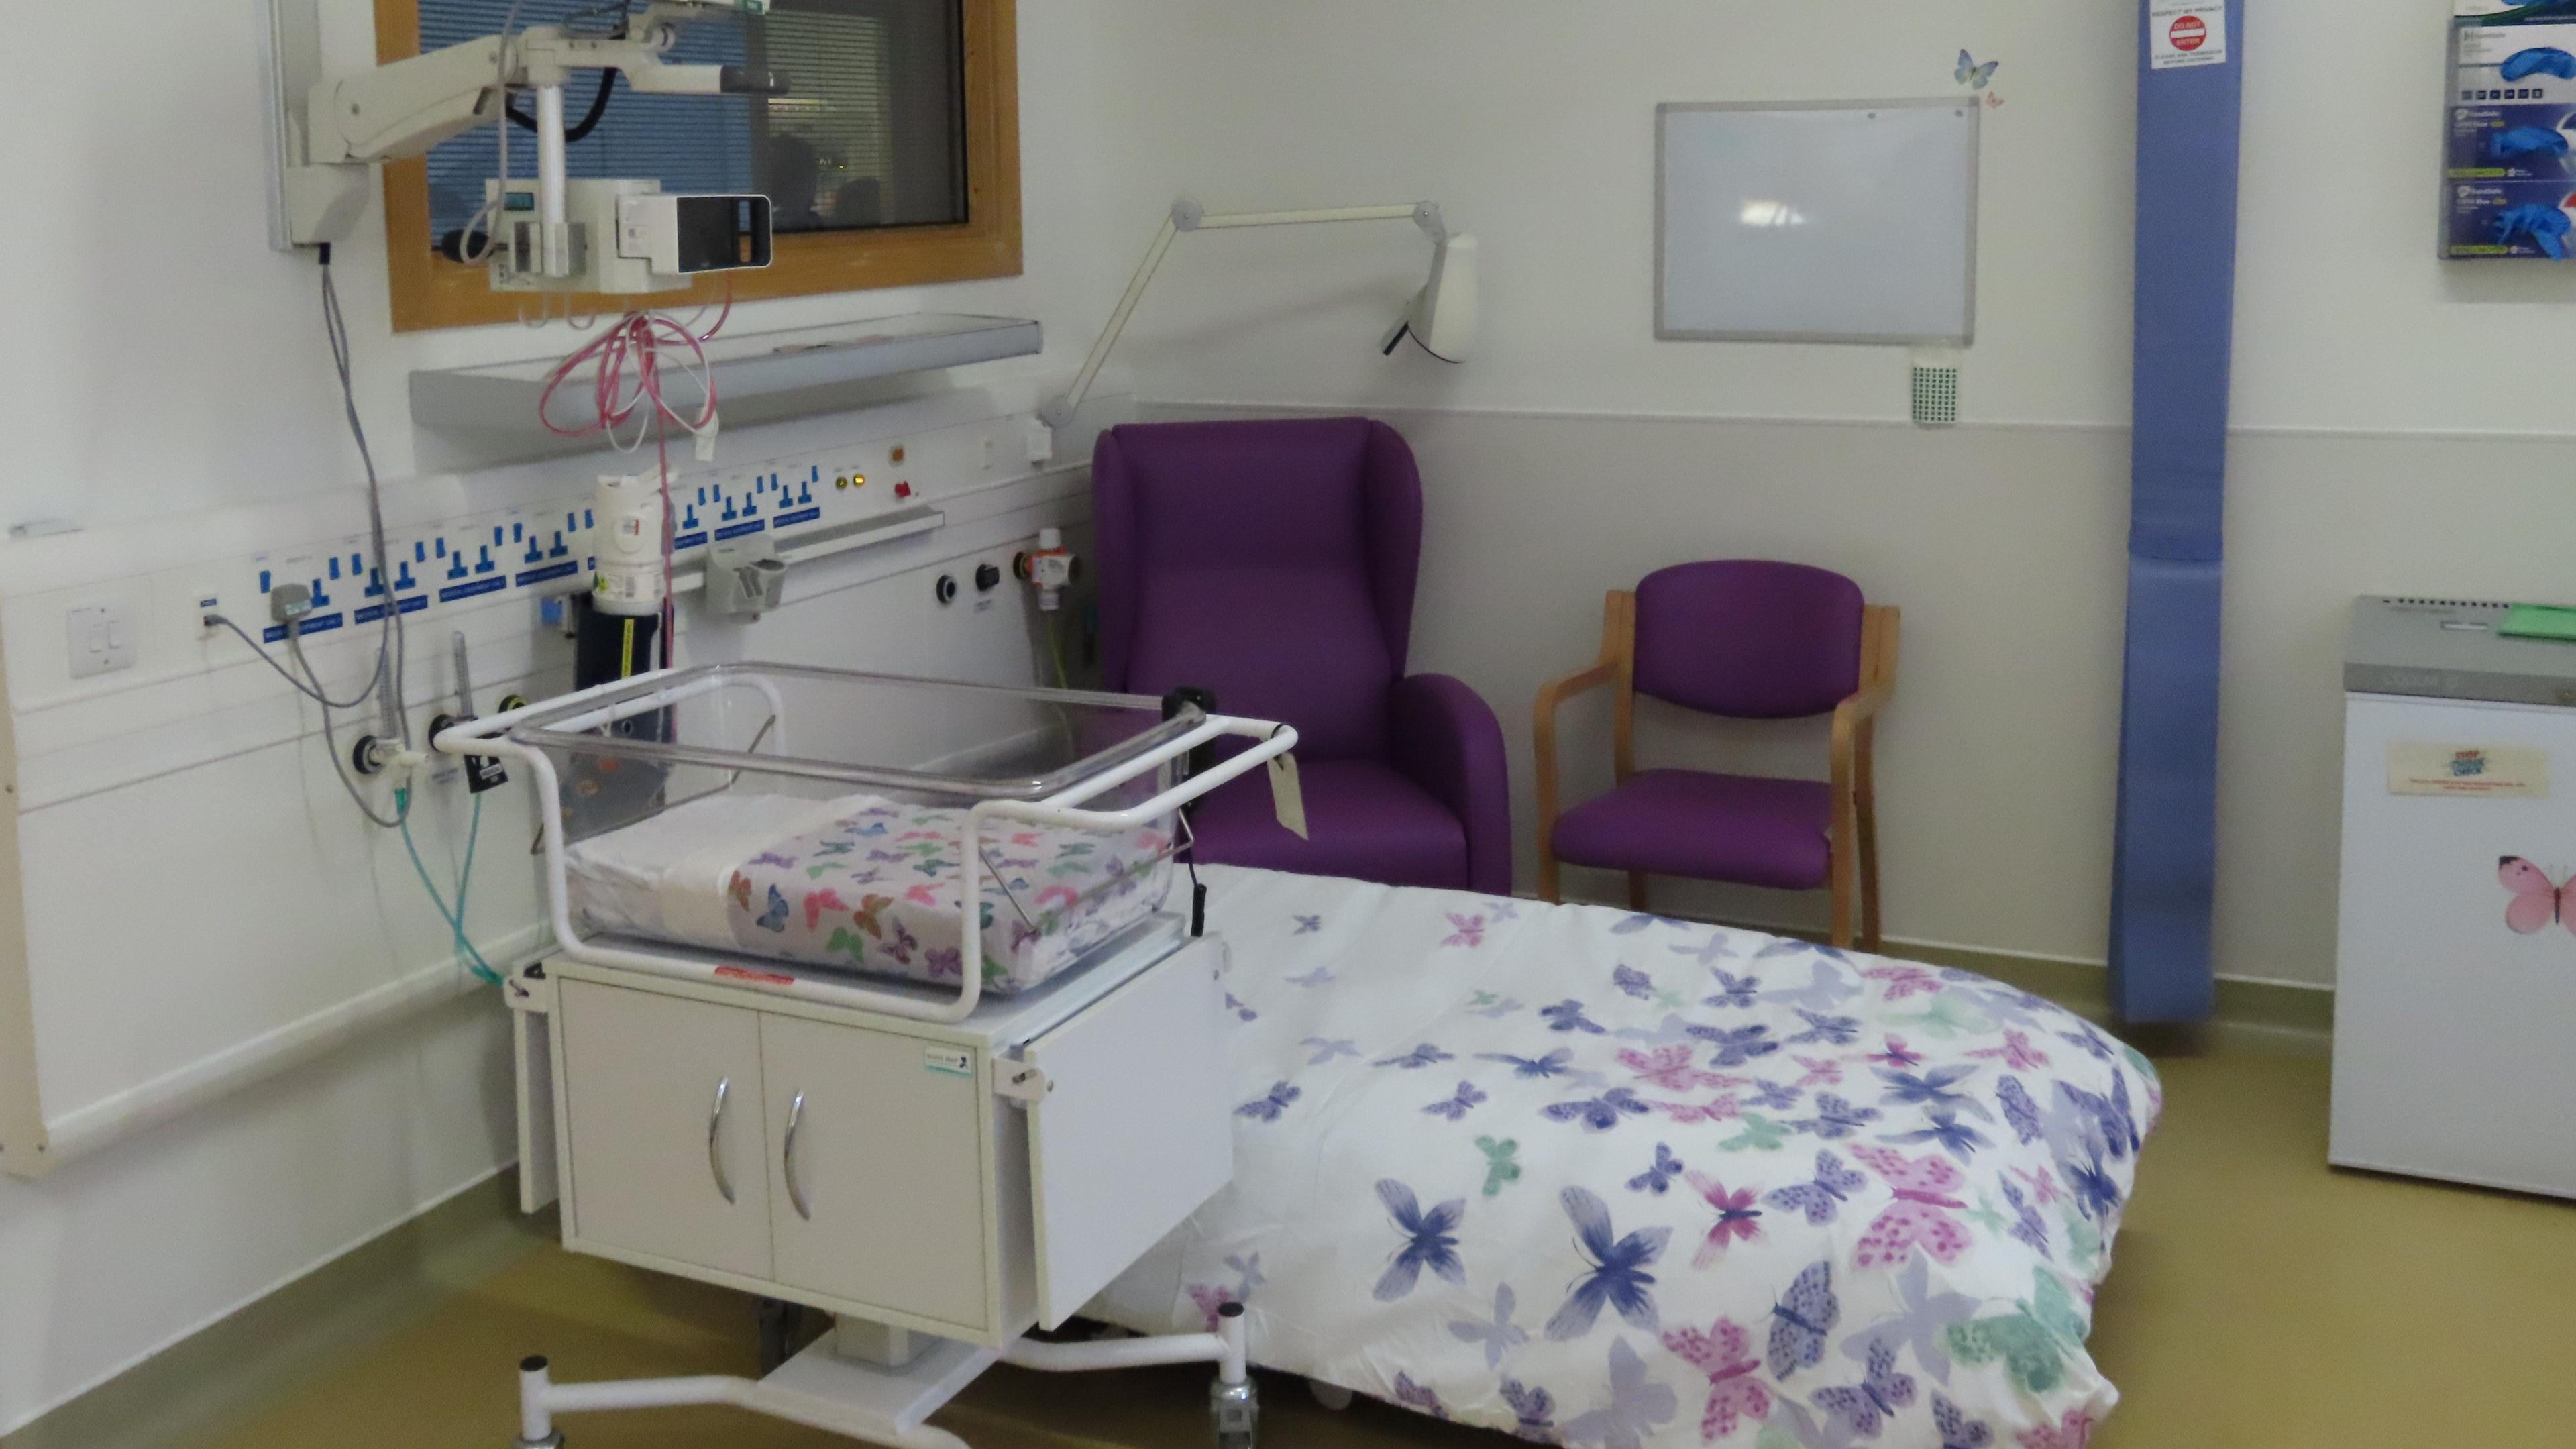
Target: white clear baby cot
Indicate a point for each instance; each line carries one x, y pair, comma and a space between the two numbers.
866, 997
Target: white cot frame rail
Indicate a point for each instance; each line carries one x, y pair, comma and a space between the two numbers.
637, 696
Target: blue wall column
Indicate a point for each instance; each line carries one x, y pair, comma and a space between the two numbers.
2165, 856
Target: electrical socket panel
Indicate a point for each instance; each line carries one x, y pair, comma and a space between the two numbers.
543, 548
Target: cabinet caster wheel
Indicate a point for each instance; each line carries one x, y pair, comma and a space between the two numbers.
554, 1440
1331, 1396
1236, 1408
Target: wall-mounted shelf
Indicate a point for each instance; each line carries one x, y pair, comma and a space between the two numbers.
762, 375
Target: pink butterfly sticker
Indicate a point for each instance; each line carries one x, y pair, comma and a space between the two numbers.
1920, 1216
1465, 930
1903, 981
922, 895
1723, 1353
817, 902
1025, 839
2073, 1432
1065, 893
1669, 1067
1719, 1109
2016, 1053
1821, 1071
1737, 1217
2537, 900
1897, 1055
2043, 1185
1211, 1300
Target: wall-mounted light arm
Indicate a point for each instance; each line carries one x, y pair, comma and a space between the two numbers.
1444, 310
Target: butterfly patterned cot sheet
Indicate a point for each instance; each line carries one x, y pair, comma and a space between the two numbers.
1594, 1178
865, 883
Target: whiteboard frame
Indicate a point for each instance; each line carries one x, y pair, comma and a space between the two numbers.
1663, 181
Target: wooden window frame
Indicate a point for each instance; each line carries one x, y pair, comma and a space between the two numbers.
431, 292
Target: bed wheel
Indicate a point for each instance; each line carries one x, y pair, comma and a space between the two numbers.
1331, 1396
1236, 1408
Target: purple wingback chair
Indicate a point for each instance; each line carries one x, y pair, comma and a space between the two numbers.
1746, 640
1273, 562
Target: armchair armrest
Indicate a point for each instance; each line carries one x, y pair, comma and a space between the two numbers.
1446, 740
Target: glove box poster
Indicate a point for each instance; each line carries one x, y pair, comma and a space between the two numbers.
2509, 178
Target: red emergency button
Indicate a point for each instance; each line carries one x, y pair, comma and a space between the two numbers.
903, 490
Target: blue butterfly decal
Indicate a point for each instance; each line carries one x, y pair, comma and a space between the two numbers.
1974, 77
1499, 1336
2094, 1190
2090, 1039
1733, 990
1707, 953
1598, 1114
1658, 1178
1617, 1278
1633, 924
1535, 1408
1267, 1109
1420, 1398
1239, 1009
1421, 1056
1567, 1015
775, 918
1637, 1406
1929, 1089
1957, 1430
1802, 1318
1309, 925
1869, 1404
1824, 1197
1430, 1241
1959, 1141
1633, 982
1555, 1063
1836, 1118
2019, 1111
1327, 1048
1839, 1030
1455, 1108
2119, 1128
1312, 979
1773, 1095
2031, 1227
1737, 1045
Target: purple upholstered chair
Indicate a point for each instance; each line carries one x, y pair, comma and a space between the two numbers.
1273, 562
1747, 640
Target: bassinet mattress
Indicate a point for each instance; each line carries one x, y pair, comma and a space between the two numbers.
865, 883
1609, 1179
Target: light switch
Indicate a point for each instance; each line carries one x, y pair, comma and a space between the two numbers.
102, 639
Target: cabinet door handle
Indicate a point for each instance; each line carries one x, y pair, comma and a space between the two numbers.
787, 1158
715, 1144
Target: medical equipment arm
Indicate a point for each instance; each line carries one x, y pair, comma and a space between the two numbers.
1447, 741
1450, 293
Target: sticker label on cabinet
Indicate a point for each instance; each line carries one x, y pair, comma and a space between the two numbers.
2420, 767
948, 1061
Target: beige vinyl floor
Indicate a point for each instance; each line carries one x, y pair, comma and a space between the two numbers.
2260, 1299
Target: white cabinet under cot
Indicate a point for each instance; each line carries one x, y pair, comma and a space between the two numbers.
965, 1181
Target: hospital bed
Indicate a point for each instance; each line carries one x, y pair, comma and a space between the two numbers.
1580, 1175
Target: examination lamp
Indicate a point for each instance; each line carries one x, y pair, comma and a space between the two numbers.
1441, 318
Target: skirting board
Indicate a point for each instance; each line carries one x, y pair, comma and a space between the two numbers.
332, 1315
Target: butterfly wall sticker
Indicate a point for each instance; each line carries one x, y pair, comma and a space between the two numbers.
1737, 1217
1822, 1198
1456, 1108
1920, 1216
1430, 1241
2536, 902
1617, 1278
1658, 1176
1502, 1163
1869, 1404
1267, 1108
1976, 76
1801, 1320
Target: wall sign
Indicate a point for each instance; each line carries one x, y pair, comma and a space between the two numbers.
2186, 33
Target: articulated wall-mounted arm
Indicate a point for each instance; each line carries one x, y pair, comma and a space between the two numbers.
330, 126
1441, 317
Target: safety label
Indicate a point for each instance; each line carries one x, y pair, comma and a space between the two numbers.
2186, 33
2425, 767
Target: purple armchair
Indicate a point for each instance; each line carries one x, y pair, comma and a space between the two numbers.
1747, 640
1273, 562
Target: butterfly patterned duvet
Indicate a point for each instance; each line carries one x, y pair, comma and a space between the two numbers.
1606, 1179
864, 883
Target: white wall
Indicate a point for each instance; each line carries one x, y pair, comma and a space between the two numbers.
165, 362
2378, 391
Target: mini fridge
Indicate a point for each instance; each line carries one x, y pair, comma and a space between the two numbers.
2455, 958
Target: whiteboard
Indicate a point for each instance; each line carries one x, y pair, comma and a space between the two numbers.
1835, 221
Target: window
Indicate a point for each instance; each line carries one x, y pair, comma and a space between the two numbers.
894, 160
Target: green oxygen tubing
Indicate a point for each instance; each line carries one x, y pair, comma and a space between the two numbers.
455, 918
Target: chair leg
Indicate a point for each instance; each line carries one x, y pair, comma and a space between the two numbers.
1866, 807
1550, 889
1842, 879
1637, 890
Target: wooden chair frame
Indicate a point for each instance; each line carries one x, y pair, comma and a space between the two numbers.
1853, 877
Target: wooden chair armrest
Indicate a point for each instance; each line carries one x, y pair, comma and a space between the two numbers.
1556, 692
